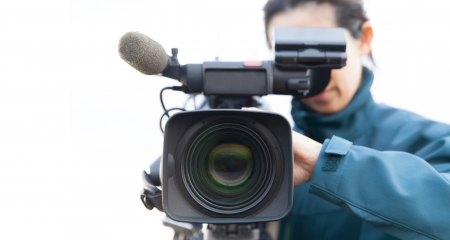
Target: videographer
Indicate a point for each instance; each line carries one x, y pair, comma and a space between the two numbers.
381, 172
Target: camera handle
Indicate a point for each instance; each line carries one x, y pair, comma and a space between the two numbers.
151, 196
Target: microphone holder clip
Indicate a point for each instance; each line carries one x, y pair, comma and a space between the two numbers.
173, 69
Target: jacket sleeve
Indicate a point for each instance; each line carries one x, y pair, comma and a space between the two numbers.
399, 193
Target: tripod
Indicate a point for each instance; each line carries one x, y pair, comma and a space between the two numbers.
187, 231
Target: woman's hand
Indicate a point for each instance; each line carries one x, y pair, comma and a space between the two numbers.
306, 152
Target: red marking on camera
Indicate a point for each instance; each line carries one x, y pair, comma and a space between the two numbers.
252, 63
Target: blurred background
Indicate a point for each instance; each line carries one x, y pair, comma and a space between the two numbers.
78, 125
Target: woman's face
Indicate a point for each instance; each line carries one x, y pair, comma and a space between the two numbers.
344, 82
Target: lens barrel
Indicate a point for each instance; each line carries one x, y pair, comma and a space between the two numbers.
228, 167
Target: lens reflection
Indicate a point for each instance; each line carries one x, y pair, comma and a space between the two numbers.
229, 166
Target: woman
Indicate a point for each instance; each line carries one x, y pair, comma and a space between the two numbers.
362, 170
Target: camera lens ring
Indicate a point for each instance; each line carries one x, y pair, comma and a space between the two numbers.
262, 172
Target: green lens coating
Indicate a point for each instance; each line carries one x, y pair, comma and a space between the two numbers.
229, 166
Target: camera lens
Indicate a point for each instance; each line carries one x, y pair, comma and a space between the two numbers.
228, 168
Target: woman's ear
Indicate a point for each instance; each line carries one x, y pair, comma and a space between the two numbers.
366, 38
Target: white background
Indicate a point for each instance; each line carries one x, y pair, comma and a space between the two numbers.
78, 125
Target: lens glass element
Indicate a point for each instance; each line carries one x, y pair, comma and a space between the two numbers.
229, 167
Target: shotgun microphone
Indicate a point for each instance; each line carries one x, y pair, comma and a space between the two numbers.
142, 53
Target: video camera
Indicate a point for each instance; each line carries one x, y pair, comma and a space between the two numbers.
228, 166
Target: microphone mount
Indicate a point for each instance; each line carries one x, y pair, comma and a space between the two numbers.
173, 69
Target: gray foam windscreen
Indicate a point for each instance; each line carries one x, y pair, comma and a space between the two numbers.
142, 53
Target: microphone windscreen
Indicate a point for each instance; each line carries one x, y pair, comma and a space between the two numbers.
142, 53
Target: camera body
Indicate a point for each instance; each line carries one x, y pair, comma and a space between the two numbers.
233, 166
227, 166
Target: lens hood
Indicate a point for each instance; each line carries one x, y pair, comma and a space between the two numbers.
227, 166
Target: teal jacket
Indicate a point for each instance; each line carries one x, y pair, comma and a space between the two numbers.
382, 173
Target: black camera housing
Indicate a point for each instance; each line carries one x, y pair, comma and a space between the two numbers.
185, 203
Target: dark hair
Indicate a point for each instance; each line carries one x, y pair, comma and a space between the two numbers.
350, 14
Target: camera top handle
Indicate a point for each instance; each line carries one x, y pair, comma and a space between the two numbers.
304, 58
